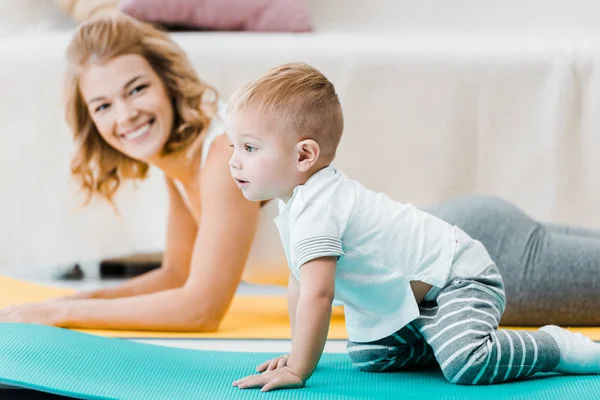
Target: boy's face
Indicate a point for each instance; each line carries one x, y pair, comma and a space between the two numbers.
263, 163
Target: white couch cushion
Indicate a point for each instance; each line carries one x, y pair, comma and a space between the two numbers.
427, 118
31, 17
513, 18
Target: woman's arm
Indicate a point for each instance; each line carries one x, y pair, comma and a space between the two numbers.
222, 244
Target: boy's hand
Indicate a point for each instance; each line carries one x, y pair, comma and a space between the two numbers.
275, 363
281, 378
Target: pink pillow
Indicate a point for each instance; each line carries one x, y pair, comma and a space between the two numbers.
250, 15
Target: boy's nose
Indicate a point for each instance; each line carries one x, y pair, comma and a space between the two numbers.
234, 163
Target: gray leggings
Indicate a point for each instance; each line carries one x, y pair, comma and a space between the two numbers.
551, 272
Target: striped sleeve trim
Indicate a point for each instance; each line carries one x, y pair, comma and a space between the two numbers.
321, 246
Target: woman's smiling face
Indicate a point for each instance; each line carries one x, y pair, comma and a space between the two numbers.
129, 105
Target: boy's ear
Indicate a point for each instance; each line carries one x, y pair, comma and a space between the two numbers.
308, 153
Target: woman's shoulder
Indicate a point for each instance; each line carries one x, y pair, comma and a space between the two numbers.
214, 132
215, 176
219, 154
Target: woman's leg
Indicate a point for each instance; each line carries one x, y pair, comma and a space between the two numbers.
551, 277
572, 230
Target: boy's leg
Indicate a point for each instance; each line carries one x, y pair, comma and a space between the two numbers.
404, 349
462, 329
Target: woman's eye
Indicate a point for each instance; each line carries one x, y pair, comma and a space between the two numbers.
250, 149
101, 107
138, 89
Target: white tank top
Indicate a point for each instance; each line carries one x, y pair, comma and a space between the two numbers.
266, 262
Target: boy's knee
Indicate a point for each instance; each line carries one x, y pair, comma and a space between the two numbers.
379, 357
370, 357
372, 366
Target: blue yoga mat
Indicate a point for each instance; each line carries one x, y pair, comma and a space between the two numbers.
69, 363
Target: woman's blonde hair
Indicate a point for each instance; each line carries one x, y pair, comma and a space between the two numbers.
98, 167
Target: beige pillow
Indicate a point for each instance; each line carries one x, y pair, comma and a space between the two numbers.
82, 10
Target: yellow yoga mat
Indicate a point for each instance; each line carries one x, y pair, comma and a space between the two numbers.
249, 317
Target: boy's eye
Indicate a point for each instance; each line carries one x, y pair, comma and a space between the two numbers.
138, 89
250, 149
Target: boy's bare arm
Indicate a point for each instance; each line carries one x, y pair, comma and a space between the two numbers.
293, 293
313, 314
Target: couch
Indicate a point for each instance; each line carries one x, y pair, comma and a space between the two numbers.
441, 99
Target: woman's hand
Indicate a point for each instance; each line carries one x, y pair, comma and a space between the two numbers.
44, 313
281, 378
74, 296
275, 363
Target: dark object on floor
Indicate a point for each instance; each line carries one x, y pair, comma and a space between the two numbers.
25, 394
73, 273
116, 269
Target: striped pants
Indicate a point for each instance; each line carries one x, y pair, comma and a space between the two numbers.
459, 332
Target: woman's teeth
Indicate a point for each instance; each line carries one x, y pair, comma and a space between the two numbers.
138, 133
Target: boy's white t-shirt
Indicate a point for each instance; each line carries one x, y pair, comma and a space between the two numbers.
381, 246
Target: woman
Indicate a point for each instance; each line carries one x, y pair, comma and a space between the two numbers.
133, 100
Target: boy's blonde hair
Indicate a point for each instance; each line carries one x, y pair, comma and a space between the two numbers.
97, 166
302, 99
